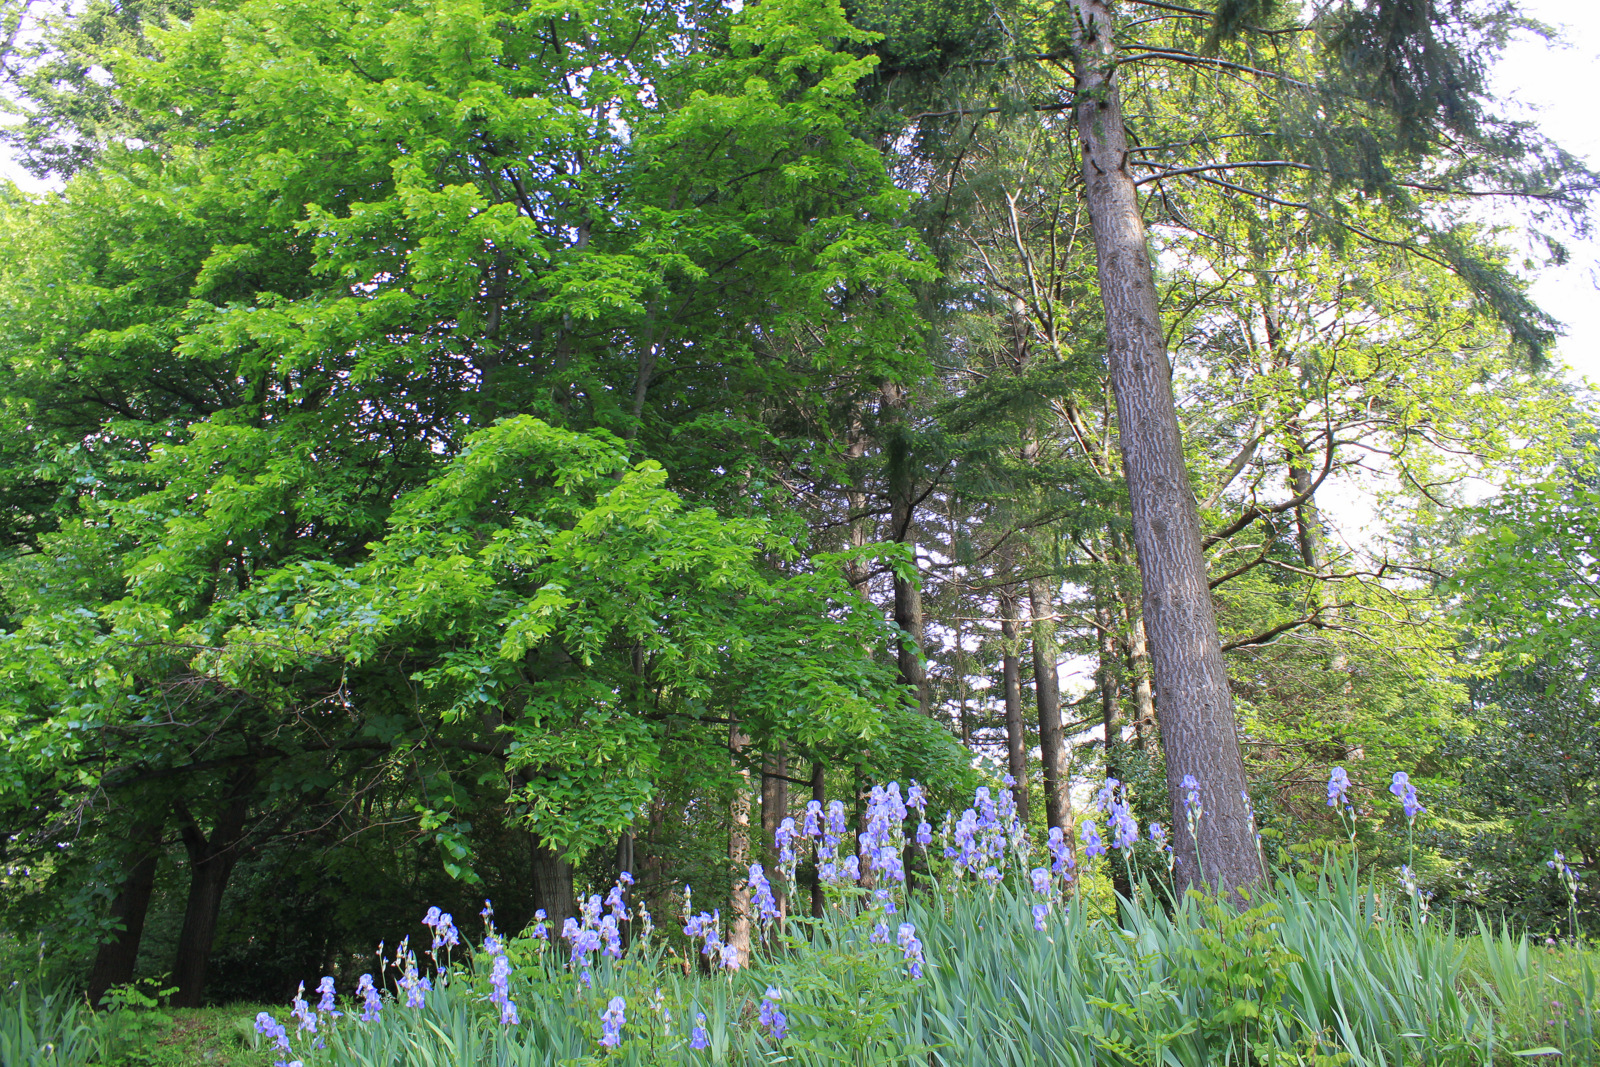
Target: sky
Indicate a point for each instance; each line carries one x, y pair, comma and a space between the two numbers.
1560, 86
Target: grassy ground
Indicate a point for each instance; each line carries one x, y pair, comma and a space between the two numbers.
216, 1037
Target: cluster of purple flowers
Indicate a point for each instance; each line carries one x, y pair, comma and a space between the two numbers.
1063, 860
981, 835
306, 1019
1113, 802
596, 928
784, 841
591, 931
500, 970
1339, 790
761, 894
1089, 834
705, 926
416, 985
911, 949
325, 1005
445, 934
1406, 793
302, 1012
772, 1017
612, 1020
881, 842
269, 1027
371, 999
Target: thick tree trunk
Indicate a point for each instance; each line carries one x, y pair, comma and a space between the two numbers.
1191, 684
1011, 683
114, 962
211, 861
1047, 695
739, 851
774, 809
625, 852
552, 881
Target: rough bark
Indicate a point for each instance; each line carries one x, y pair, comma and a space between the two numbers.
1195, 706
1047, 697
114, 962
1011, 683
739, 850
774, 809
211, 861
552, 881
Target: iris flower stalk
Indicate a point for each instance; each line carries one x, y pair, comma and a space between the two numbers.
1400, 785
1569, 881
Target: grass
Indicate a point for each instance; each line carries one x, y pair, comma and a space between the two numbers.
56, 1029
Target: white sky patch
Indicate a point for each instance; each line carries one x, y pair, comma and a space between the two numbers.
1558, 86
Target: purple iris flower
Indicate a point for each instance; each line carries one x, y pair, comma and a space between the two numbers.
1089, 834
612, 1020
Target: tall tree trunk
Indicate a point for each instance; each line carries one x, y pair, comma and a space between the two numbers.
1144, 701
1108, 677
552, 881
625, 852
1011, 683
1195, 706
211, 861
739, 850
114, 962
774, 809
1136, 647
902, 507
1047, 695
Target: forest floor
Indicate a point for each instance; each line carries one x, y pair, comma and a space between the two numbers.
215, 1037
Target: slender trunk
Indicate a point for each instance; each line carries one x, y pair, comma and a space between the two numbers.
819, 793
654, 869
1047, 695
908, 595
1136, 648
863, 797
963, 720
1144, 701
114, 962
211, 861
1198, 729
774, 809
1109, 680
739, 850
908, 616
552, 881
1011, 682
856, 573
